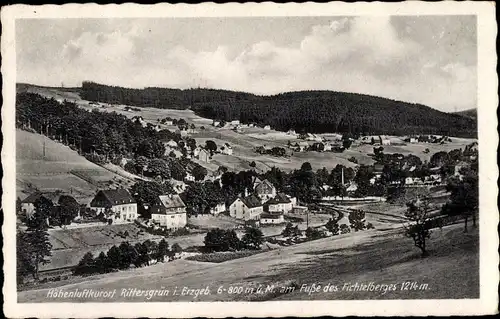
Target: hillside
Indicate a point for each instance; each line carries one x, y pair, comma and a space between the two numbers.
311, 111
60, 169
471, 113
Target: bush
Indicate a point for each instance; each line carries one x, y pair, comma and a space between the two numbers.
344, 229
222, 240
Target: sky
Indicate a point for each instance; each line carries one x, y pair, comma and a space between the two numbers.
423, 59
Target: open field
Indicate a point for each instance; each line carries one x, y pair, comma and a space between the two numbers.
381, 257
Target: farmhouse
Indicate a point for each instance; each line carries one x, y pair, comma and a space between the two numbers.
169, 212
267, 127
266, 219
303, 146
291, 132
204, 155
265, 190
385, 141
219, 208
119, 201
28, 204
189, 177
327, 147
215, 123
248, 208
227, 149
281, 203
235, 122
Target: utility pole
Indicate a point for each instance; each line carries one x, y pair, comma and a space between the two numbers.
342, 176
44, 148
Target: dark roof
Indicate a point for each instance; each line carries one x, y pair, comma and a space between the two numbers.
52, 196
118, 196
252, 201
280, 198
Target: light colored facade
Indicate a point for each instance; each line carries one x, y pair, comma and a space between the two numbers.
204, 156
221, 207
169, 212
118, 201
386, 142
270, 219
267, 127
248, 208
265, 190
228, 150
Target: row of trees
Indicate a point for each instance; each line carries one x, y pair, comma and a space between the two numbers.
123, 256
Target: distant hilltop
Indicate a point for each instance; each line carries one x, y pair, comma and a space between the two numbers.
303, 111
472, 113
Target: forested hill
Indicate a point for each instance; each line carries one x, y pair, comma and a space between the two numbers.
472, 113
311, 111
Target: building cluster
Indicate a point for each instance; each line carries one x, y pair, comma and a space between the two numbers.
119, 206
264, 205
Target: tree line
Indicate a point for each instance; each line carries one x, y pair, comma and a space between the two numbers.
308, 111
123, 256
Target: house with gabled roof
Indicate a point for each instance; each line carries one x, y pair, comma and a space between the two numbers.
247, 208
169, 211
28, 204
279, 204
265, 190
118, 201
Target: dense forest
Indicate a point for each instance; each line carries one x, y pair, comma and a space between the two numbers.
472, 113
311, 111
103, 133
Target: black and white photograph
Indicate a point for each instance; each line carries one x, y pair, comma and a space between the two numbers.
199, 154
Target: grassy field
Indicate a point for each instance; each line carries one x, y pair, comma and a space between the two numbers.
61, 168
381, 257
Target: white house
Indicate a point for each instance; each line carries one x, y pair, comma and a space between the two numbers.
169, 212
267, 219
189, 177
327, 147
169, 122
216, 123
303, 146
171, 143
386, 141
267, 127
265, 190
409, 181
248, 208
204, 155
235, 122
291, 132
279, 204
352, 188
118, 201
219, 208
184, 133
227, 149
413, 140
